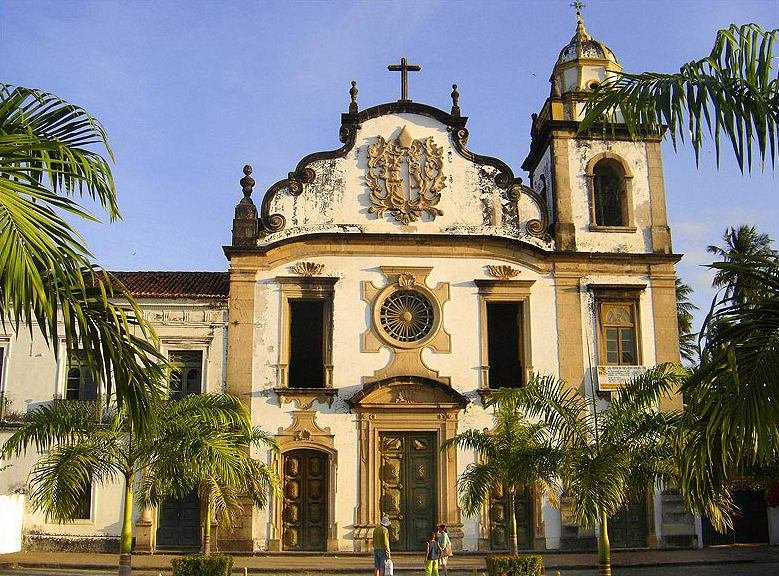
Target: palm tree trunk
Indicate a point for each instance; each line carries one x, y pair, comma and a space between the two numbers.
126, 539
207, 530
512, 524
604, 547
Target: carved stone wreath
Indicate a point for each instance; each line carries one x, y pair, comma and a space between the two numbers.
405, 177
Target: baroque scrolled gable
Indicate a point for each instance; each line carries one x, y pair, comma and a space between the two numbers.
403, 168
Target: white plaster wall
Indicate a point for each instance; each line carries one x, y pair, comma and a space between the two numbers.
544, 168
34, 376
338, 200
12, 513
580, 152
107, 500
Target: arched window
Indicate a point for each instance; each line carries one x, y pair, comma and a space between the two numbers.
609, 201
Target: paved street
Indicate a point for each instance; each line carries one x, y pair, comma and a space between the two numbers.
752, 569
749, 569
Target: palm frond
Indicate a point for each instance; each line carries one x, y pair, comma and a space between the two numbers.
62, 422
734, 93
58, 481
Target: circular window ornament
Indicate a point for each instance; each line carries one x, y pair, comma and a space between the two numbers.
406, 317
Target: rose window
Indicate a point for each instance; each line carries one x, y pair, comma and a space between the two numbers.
406, 316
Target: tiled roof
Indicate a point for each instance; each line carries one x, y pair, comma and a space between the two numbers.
176, 284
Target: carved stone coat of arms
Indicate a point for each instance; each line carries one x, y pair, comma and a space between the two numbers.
405, 177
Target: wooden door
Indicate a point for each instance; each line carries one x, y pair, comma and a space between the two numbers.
499, 519
179, 523
628, 528
408, 487
305, 511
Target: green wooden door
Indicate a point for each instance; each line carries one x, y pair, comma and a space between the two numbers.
408, 483
628, 527
500, 520
179, 523
305, 500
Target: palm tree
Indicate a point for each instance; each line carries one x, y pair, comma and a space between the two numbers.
732, 416
47, 278
611, 455
514, 455
734, 91
212, 456
742, 244
86, 447
688, 346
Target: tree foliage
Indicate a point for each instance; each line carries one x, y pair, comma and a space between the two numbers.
688, 340
514, 456
733, 94
48, 281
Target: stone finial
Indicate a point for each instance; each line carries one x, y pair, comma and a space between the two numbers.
353, 95
455, 101
247, 183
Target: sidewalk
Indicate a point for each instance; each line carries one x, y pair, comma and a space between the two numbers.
350, 563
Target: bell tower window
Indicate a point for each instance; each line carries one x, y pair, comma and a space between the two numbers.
610, 195
608, 181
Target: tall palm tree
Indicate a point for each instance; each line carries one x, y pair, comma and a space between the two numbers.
610, 455
741, 245
47, 278
732, 416
213, 457
514, 455
84, 449
688, 346
733, 92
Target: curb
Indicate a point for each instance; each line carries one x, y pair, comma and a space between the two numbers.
362, 570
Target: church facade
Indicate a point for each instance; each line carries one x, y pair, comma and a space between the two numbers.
378, 294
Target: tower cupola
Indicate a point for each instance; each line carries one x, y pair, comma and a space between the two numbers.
583, 63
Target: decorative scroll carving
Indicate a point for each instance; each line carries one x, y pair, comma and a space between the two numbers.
307, 268
350, 123
502, 272
405, 200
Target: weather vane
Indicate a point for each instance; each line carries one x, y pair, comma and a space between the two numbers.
404, 68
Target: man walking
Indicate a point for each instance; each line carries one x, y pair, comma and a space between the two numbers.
381, 546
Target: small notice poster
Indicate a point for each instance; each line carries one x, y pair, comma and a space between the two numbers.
614, 377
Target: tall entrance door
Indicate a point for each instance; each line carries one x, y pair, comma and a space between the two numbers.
304, 514
179, 523
500, 519
628, 527
408, 487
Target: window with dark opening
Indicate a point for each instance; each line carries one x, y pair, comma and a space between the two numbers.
84, 508
186, 376
79, 383
608, 181
306, 343
503, 344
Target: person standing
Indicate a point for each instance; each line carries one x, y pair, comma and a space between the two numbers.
445, 546
381, 546
432, 555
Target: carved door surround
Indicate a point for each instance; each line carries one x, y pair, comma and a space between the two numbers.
407, 317
405, 404
305, 434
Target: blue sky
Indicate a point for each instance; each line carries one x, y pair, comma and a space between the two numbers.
191, 91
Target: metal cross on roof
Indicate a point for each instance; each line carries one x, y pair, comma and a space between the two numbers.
404, 68
578, 5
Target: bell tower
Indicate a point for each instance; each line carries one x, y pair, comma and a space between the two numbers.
605, 189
